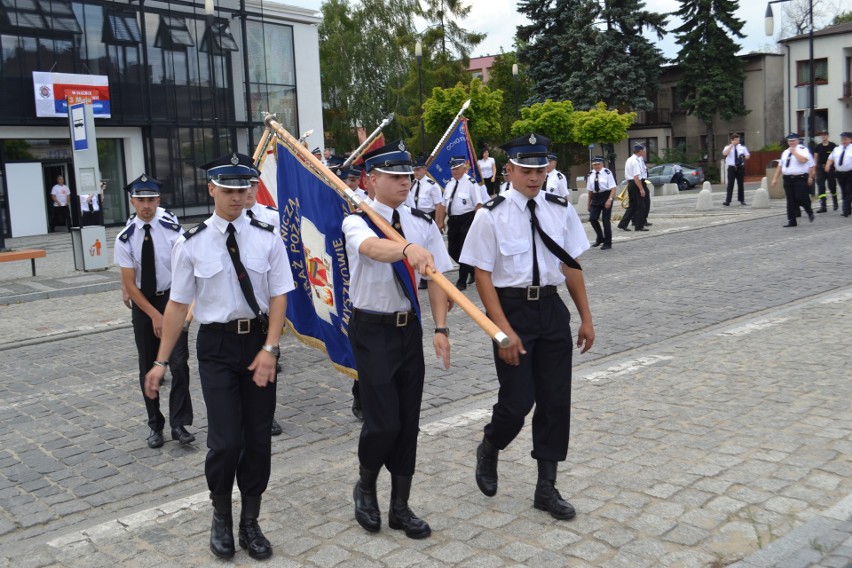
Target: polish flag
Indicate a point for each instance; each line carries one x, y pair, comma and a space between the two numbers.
267, 193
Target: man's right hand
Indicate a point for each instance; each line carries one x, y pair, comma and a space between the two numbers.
511, 355
153, 378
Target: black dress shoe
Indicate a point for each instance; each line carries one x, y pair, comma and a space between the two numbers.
726, 203
642, 229
182, 435
742, 202
424, 285
155, 439
606, 247
486, 468
811, 216
624, 229
649, 224
275, 430
460, 285
790, 225
597, 243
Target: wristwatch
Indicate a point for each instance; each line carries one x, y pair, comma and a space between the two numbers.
444, 330
161, 363
272, 349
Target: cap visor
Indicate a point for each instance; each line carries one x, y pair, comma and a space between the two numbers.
401, 169
232, 183
530, 162
145, 193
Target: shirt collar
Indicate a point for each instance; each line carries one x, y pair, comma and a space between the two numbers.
222, 225
520, 200
385, 211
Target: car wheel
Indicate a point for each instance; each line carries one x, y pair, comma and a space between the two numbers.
682, 185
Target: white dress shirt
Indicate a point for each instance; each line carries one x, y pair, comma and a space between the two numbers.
792, 166
203, 271
635, 166
372, 284
266, 214
846, 152
128, 248
425, 195
557, 184
605, 179
741, 151
464, 195
500, 240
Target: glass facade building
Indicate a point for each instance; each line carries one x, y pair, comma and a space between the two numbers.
186, 86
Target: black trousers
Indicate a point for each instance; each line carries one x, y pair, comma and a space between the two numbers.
543, 378
391, 372
239, 413
822, 177
457, 228
59, 218
735, 174
844, 180
636, 208
597, 209
147, 345
797, 195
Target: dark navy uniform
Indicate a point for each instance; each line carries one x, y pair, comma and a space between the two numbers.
822, 152
841, 160
513, 243
162, 233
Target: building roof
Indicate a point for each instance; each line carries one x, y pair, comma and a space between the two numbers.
839, 29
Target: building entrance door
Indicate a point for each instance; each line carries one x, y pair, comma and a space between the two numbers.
59, 218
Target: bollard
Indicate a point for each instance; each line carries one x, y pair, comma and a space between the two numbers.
583, 203
705, 199
760, 199
706, 185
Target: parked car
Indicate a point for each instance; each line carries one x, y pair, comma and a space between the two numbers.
662, 173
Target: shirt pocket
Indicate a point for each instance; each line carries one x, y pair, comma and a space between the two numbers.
517, 254
258, 269
209, 269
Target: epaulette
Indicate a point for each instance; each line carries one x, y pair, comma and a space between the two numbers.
421, 214
271, 208
195, 230
132, 217
262, 225
553, 198
430, 180
607, 170
169, 213
494, 202
559, 175
170, 225
591, 172
124, 235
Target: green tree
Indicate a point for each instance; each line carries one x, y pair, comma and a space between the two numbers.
337, 34
483, 114
553, 119
713, 76
602, 126
842, 18
443, 16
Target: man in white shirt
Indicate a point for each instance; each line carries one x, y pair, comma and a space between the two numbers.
556, 182
636, 174
736, 155
461, 198
60, 194
841, 160
797, 167
601, 187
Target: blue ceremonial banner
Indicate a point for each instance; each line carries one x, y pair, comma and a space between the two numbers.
312, 213
458, 143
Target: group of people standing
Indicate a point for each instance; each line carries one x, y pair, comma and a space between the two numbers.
231, 275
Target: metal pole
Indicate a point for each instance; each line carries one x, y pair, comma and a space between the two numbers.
418, 51
515, 80
812, 87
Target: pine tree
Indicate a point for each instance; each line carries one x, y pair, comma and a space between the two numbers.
713, 76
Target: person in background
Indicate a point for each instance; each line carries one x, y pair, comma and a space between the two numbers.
821, 152
601, 187
841, 161
797, 167
488, 169
735, 155
60, 194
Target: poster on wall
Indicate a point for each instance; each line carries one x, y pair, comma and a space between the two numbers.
55, 91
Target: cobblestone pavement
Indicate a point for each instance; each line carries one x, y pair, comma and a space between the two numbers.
711, 424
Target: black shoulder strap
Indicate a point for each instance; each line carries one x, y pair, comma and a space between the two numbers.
494, 202
170, 225
194, 231
262, 225
127, 232
553, 198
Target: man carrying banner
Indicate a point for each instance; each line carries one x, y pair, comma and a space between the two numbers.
387, 338
461, 198
522, 244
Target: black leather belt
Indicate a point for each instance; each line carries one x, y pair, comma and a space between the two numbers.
159, 293
396, 319
240, 326
799, 176
528, 293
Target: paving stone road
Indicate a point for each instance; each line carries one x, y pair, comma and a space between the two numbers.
712, 422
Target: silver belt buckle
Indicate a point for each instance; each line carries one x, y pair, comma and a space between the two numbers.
401, 319
243, 326
533, 292
160, 293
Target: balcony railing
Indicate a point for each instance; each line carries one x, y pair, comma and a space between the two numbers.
847, 90
656, 116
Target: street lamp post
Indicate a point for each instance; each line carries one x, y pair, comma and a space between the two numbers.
210, 13
515, 79
418, 53
591, 147
770, 29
